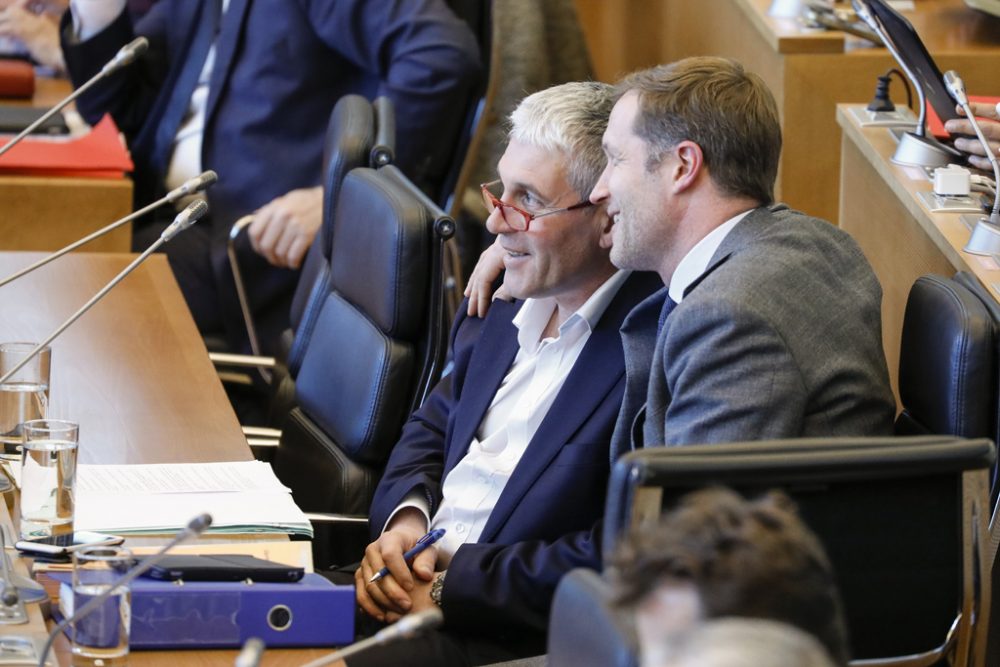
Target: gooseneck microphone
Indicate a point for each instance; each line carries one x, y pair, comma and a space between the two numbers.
125, 56
193, 185
956, 87
9, 597
184, 219
195, 527
406, 627
250, 654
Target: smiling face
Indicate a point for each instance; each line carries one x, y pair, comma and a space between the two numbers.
636, 196
564, 255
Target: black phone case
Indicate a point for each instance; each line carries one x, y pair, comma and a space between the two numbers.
223, 567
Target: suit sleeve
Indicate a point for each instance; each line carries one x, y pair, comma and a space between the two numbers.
730, 377
511, 586
128, 94
427, 62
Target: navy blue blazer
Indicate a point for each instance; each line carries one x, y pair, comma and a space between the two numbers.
547, 519
280, 67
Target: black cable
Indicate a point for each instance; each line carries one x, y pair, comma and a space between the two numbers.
906, 84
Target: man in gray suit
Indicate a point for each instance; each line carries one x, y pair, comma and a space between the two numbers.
770, 326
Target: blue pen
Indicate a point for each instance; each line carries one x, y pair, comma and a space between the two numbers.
424, 542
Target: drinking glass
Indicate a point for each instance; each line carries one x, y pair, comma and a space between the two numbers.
101, 637
25, 395
48, 477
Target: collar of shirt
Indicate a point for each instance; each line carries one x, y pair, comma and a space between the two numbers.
696, 260
535, 314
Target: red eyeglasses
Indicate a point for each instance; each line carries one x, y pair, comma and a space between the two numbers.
518, 218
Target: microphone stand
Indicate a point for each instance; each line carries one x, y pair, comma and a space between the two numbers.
184, 219
125, 56
406, 627
193, 185
194, 528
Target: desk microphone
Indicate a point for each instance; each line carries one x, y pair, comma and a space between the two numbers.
195, 527
125, 56
251, 653
9, 597
407, 627
184, 219
191, 186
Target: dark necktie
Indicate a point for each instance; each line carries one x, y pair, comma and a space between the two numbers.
668, 307
206, 27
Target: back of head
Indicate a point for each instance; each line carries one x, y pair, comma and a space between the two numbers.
744, 558
568, 119
745, 642
729, 112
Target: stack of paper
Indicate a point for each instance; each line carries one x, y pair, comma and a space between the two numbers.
242, 497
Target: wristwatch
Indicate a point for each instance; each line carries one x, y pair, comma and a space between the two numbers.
436, 588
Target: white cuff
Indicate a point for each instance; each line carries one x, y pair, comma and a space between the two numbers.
92, 16
415, 500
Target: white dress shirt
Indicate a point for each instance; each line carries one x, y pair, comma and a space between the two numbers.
92, 16
472, 488
697, 258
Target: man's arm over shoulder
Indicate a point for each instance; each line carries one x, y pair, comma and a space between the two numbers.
129, 93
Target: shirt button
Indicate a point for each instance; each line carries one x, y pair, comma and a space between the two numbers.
460, 528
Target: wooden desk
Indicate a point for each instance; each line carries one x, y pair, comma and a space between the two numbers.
135, 373
902, 240
811, 71
49, 212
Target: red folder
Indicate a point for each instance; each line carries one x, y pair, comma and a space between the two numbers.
98, 154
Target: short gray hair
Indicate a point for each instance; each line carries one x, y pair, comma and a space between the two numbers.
570, 119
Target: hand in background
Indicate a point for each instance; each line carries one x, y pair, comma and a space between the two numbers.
988, 117
283, 230
38, 32
479, 289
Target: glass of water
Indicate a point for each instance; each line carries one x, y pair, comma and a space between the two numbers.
25, 395
101, 637
48, 477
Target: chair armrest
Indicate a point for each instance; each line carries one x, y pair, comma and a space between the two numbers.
241, 360
333, 519
584, 628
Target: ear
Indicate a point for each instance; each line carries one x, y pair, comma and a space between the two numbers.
606, 222
688, 167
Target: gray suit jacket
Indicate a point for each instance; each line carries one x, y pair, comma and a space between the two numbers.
780, 337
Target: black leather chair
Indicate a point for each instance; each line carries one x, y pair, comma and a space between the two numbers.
377, 346
360, 133
947, 362
904, 521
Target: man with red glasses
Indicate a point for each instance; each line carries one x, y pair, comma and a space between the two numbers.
510, 453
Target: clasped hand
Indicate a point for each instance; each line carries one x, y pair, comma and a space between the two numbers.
403, 590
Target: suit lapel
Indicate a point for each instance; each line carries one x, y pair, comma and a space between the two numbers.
488, 366
230, 36
599, 368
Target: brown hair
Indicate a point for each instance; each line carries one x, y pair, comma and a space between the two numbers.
729, 112
745, 558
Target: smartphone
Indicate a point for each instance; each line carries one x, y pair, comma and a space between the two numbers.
223, 567
62, 545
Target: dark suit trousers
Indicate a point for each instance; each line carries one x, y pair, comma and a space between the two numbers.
437, 648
